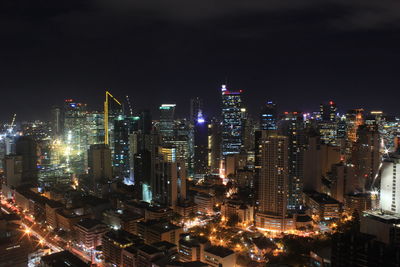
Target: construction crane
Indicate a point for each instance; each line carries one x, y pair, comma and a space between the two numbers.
106, 103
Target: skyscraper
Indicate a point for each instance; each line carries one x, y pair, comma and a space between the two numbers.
200, 145
273, 183
390, 184
268, 116
166, 125
123, 127
328, 111
75, 135
232, 121
292, 126
196, 106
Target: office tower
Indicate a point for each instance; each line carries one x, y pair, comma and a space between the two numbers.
292, 126
318, 161
214, 145
13, 170
75, 135
273, 182
268, 116
328, 111
123, 127
354, 119
57, 121
183, 143
27, 148
145, 123
232, 121
100, 167
390, 184
200, 145
169, 181
166, 124
95, 127
196, 106
366, 156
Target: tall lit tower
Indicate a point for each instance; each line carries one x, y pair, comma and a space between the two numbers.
200, 145
232, 121
167, 113
328, 111
273, 182
196, 106
390, 184
268, 116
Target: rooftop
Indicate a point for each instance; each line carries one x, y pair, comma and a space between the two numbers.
149, 249
219, 251
89, 223
63, 259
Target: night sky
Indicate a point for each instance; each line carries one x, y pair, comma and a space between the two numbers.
296, 52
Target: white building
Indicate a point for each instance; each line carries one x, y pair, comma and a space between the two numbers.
390, 184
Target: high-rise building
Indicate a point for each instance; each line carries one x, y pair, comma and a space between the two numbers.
123, 127
268, 116
366, 156
328, 111
26, 147
169, 180
214, 146
166, 124
13, 170
390, 184
57, 121
232, 121
75, 135
273, 183
292, 126
200, 145
100, 166
196, 106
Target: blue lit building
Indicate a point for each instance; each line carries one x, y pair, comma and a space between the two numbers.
123, 127
232, 121
200, 145
268, 116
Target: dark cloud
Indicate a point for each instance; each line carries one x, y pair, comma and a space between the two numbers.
298, 52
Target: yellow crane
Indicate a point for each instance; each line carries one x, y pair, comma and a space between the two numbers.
106, 103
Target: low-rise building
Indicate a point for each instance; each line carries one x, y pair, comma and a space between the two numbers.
62, 259
322, 205
245, 212
156, 231
205, 203
114, 242
192, 248
89, 232
218, 256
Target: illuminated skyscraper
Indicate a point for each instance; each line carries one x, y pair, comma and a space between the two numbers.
292, 126
273, 182
232, 121
200, 145
166, 125
196, 106
268, 116
328, 111
123, 127
75, 135
390, 184
169, 181
214, 145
